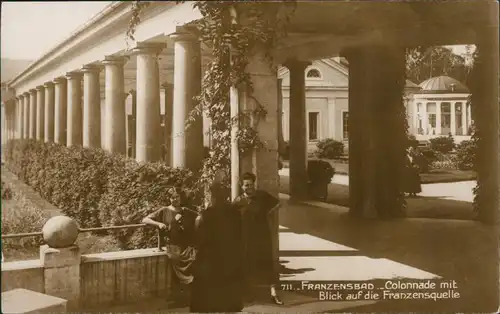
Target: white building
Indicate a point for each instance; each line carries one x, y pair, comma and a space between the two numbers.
327, 104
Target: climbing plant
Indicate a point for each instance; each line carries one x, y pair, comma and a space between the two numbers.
233, 31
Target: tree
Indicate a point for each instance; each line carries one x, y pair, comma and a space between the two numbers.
423, 63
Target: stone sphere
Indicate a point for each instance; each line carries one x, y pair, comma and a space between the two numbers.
60, 232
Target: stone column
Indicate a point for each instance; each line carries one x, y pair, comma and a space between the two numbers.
469, 116
416, 115
26, 116
425, 119
464, 118
148, 101
40, 113
234, 101
20, 113
60, 110
298, 133
485, 97
453, 124
32, 116
168, 89
187, 143
49, 111
438, 118
376, 131
132, 127
115, 140
331, 119
75, 110
91, 106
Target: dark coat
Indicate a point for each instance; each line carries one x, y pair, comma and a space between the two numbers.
217, 284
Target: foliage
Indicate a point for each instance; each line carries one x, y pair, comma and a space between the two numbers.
329, 148
6, 191
466, 155
424, 157
442, 144
444, 162
412, 141
97, 188
319, 171
426, 62
234, 31
19, 215
285, 154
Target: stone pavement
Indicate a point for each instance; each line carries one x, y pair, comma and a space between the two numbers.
457, 191
323, 243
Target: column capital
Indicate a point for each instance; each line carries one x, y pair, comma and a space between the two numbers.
32, 91
48, 84
40, 88
296, 64
74, 75
96, 68
184, 36
59, 80
115, 60
148, 48
26, 94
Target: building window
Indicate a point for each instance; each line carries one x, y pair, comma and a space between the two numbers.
345, 125
314, 74
313, 125
445, 118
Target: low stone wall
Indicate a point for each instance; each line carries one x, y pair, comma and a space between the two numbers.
104, 278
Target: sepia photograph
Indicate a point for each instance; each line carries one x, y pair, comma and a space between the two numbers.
283, 156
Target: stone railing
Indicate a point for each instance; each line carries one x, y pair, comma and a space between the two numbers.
92, 280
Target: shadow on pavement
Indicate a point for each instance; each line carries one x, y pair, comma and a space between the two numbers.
465, 251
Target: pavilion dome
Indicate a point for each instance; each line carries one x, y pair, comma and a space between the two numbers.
443, 85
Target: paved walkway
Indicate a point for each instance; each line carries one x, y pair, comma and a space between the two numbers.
457, 191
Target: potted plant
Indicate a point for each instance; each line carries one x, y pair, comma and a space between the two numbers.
320, 174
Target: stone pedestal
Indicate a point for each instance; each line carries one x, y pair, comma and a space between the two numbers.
24, 301
62, 273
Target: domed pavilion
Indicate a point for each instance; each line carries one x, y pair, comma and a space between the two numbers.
441, 109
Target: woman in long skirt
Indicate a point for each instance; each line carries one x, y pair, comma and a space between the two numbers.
176, 223
218, 278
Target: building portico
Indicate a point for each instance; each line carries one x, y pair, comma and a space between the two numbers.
371, 35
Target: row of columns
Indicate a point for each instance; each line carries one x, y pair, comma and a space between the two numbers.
63, 112
423, 115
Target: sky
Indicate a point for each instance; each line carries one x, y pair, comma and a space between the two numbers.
30, 29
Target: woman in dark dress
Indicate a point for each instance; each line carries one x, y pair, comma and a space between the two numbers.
217, 283
412, 174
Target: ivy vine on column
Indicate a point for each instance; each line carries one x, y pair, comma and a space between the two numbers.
233, 31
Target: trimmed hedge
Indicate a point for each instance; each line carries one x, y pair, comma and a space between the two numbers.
329, 148
466, 155
97, 188
442, 144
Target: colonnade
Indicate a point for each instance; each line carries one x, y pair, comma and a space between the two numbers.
66, 110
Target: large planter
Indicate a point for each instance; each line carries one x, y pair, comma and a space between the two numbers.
320, 174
